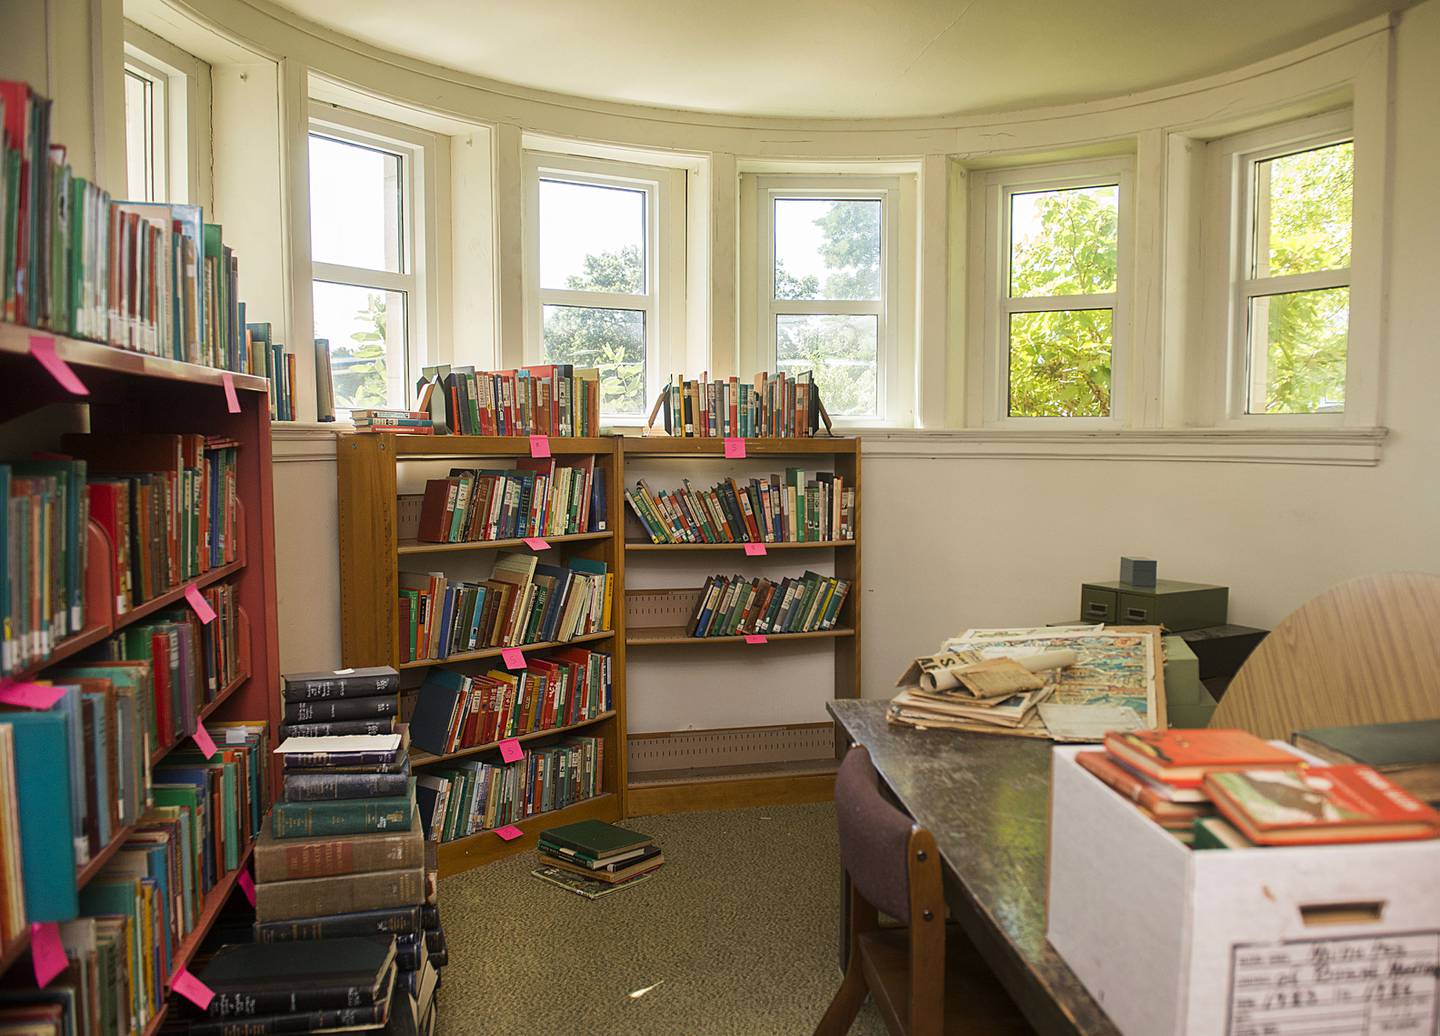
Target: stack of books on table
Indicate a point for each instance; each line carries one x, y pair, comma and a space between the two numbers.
397, 422
964, 690
1227, 789
342, 702
592, 858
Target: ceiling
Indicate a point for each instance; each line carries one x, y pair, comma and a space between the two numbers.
839, 58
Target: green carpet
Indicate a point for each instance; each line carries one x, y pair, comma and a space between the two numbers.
736, 934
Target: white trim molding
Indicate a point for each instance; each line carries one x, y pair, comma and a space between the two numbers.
296, 441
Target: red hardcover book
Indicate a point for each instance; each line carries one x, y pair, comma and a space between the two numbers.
1319, 805
1183, 757
436, 510
1138, 790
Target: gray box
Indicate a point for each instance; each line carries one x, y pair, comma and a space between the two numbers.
1137, 571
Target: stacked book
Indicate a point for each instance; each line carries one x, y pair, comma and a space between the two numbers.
341, 702
734, 606
772, 405
394, 421
1227, 789
538, 497
592, 858
795, 510
554, 399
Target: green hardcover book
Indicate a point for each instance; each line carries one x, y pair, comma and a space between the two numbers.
47, 851
344, 816
1407, 753
595, 839
1217, 833
215, 333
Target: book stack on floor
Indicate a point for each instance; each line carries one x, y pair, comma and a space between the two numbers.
592, 858
795, 510
735, 606
1227, 789
341, 702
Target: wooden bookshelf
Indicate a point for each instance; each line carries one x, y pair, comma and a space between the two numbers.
742, 783
372, 468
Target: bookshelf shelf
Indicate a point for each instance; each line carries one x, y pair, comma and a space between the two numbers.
420, 757
442, 446
677, 635
175, 596
784, 545
418, 547
486, 846
98, 861
496, 652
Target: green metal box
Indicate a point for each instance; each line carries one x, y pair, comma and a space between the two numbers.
1170, 603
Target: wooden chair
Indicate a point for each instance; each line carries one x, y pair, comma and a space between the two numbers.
894, 868
1365, 651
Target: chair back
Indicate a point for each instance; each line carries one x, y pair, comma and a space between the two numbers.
874, 836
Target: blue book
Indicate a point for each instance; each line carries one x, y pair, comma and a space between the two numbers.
47, 851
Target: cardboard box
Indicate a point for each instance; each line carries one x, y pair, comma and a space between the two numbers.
1171, 940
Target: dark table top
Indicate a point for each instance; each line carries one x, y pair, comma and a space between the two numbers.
986, 799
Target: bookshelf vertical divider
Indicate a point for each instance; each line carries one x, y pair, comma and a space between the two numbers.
371, 553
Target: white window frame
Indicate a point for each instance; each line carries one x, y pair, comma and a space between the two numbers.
417, 149
891, 402
156, 164
181, 118
663, 301
1233, 163
992, 208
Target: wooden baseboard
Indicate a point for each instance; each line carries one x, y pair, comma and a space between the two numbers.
644, 800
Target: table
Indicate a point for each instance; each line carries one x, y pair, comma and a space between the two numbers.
986, 799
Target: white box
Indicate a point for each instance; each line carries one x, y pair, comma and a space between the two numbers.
1177, 942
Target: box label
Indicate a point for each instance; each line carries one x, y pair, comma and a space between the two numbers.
1366, 985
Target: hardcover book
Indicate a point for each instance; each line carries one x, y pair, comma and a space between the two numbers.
255, 979
392, 921
1184, 757
595, 838
342, 683
344, 816
1407, 753
1319, 805
339, 894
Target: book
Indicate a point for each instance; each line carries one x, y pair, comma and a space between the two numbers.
595, 839
339, 728
13, 922
480, 796
734, 606
779, 405
341, 1019
42, 768
338, 894
1144, 793
1406, 753
332, 785
538, 497
250, 979
1217, 833
343, 817
1319, 805
341, 683
1184, 757
799, 508
555, 399
330, 710
395, 921
284, 859
581, 885
614, 874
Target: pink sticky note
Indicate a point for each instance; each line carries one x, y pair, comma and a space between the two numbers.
513, 658
232, 402
191, 988
204, 740
511, 751
755, 550
247, 886
537, 544
539, 445
735, 449
198, 602
30, 695
756, 638
42, 347
509, 833
46, 951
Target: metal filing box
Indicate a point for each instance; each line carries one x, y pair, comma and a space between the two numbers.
1170, 603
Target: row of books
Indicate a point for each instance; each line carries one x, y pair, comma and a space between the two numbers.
480, 796
772, 406
797, 510
1227, 789
148, 277
279, 370
731, 606
550, 399
538, 497
523, 602
43, 527
454, 710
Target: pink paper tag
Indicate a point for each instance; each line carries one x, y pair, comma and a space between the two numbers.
513, 658
756, 638
735, 449
232, 402
511, 751
198, 602
30, 695
509, 833
204, 740
46, 951
42, 347
191, 988
536, 544
539, 445
247, 886
755, 550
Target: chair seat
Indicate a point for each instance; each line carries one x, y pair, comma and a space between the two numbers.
975, 1002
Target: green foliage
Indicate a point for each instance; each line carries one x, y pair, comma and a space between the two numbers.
839, 349
788, 286
851, 250
358, 372
612, 340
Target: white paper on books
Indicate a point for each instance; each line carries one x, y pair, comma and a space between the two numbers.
341, 743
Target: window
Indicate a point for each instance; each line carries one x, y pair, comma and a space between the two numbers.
365, 258
826, 284
1291, 303
146, 139
599, 264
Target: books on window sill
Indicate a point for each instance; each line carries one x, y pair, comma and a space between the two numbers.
479, 796
794, 509
394, 422
549, 399
279, 369
524, 601
454, 710
779, 405
538, 497
734, 606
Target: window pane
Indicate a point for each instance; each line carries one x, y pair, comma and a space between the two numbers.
612, 340
843, 351
1063, 242
1060, 363
355, 202
1302, 221
366, 331
592, 238
827, 249
139, 141
1297, 352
